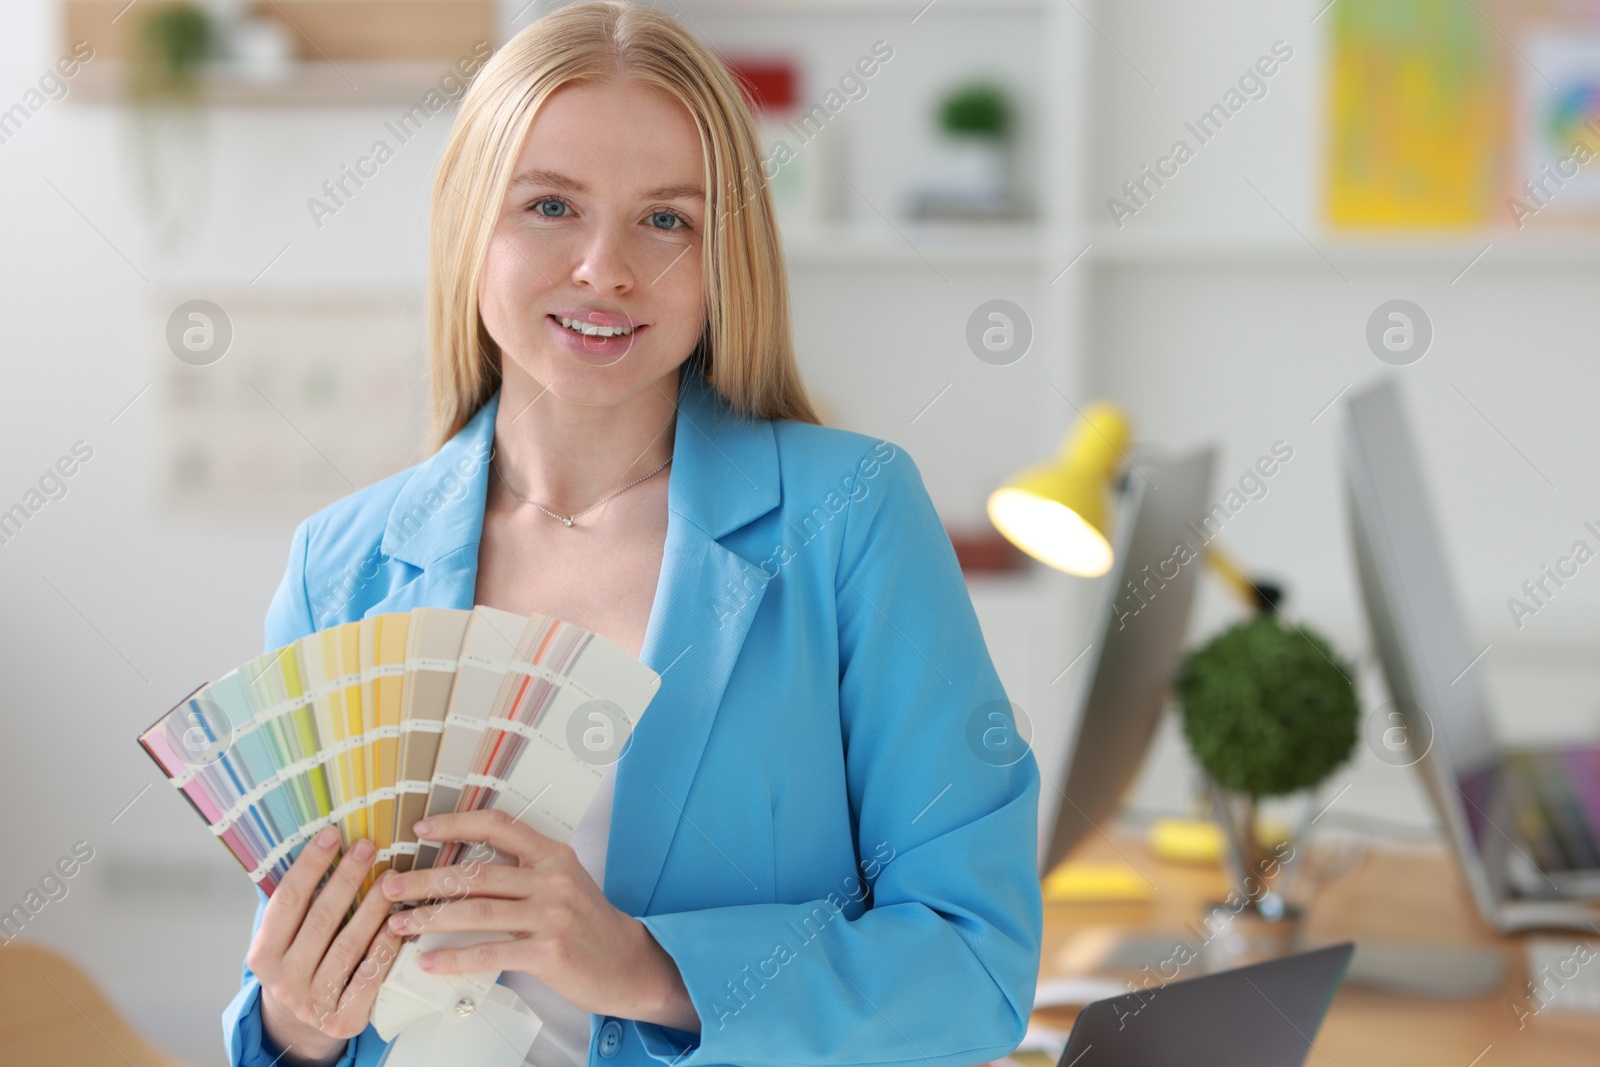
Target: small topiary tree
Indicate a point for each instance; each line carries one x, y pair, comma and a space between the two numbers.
1268, 710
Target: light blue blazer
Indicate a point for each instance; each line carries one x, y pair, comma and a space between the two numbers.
825, 818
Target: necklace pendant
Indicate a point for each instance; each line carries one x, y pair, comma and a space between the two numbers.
566, 520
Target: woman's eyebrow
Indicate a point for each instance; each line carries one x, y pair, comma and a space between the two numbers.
684, 191
555, 180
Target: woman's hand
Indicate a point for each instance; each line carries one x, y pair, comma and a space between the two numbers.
567, 933
318, 982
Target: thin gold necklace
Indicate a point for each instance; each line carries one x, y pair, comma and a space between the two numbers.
566, 520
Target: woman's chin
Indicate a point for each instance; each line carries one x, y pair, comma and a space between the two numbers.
576, 381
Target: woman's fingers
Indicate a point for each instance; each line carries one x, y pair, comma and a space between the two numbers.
359, 995
329, 909
286, 908
474, 913
457, 881
487, 956
506, 835
297, 932
349, 947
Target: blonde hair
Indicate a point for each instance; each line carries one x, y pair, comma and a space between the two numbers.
746, 351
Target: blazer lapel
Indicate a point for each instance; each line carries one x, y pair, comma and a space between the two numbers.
724, 475
436, 522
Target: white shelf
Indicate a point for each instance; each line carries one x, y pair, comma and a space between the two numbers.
916, 9
1505, 247
349, 83
1017, 245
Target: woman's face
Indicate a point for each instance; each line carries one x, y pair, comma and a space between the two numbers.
591, 284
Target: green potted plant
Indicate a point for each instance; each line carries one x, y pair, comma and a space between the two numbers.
976, 122
170, 47
1269, 710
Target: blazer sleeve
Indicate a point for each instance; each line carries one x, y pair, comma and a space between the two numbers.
288, 619
939, 970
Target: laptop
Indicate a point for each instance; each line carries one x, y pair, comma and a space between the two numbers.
1524, 823
1265, 1015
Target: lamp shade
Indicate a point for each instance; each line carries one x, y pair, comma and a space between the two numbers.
1059, 511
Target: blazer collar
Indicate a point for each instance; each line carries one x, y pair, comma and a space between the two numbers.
725, 474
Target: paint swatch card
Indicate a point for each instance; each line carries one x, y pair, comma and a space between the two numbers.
369, 725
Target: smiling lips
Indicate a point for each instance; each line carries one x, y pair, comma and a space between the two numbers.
596, 323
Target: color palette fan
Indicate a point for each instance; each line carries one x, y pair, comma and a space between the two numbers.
373, 724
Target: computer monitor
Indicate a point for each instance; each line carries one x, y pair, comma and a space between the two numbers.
1136, 636
1423, 645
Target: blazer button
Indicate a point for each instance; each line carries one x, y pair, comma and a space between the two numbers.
610, 1038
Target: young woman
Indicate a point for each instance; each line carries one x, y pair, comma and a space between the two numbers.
820, 846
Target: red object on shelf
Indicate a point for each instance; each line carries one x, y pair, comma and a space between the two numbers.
768, 84
985, 550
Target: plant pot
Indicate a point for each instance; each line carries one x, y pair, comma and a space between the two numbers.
1256, 870
975, 167
1243, 932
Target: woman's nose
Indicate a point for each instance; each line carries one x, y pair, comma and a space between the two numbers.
603, 263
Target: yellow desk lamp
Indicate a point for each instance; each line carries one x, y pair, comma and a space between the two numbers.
1060, 512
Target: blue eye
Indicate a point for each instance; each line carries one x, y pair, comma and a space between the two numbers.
543, 207
666, 220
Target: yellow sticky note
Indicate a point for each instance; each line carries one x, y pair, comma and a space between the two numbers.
1201, 841
1186, 841
1096, 883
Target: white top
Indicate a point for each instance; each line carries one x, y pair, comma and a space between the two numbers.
563, 1040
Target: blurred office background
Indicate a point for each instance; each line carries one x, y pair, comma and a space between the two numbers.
1338, 156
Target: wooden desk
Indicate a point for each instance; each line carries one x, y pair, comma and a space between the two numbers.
52, 1012
1390, 894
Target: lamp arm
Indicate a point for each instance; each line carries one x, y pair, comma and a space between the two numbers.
1257, 596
